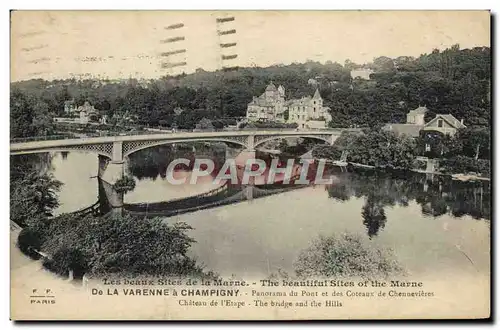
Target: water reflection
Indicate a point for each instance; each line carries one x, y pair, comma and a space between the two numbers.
411, 213
437, 195
40, 163
152, 163
374, 217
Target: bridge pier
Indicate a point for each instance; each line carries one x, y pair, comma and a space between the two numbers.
248, 153
110, 171
110, 201
249, 192
333, 138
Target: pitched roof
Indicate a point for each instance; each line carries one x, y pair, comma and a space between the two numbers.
450, 119
419, 110
453, 121
271, 87
301, 101
316, 94
406, 129
261, 101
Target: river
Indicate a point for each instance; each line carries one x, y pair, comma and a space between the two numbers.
432, 224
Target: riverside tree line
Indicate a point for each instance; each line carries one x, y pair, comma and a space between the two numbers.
466, 151
455, 81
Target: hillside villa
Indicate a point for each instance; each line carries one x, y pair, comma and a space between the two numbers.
444, 123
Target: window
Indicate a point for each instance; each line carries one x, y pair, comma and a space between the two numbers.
314, 109
440, 123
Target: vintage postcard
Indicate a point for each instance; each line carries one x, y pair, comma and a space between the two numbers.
250, 165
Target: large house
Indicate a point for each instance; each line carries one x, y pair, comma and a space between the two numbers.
81, 115
415, 123
307, 112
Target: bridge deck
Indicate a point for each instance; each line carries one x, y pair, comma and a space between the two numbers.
25, 146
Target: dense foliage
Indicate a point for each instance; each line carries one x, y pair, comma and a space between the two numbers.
110, 244
451, 81
29, 242
33, 193
375, 148
346, 255
29, 115
115, 244
473, 142
268, 125
461, 164
124, 185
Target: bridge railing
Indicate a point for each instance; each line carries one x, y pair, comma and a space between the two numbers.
92, 209
154, 131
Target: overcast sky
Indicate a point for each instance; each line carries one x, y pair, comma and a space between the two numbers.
59, 44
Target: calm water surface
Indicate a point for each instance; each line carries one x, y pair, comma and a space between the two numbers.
431, 224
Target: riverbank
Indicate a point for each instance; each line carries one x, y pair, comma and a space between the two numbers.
454, 176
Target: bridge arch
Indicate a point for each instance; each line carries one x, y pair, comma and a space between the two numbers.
134, 146
326, 138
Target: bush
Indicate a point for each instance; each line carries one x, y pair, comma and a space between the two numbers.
484, 167
115, 244
268, 125
346, 255
66, 259
218, 124
419, 164
124, 185
382, 149
29, 241
463, 164
229, 122
205, 124
327, 152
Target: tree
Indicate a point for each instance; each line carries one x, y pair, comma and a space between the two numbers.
434, 144
382, 149
475, 142
374, 217
455, 81
384, 64
205, 124
32, 197
28, 241
29, 116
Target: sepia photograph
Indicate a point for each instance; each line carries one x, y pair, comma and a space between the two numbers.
250, 165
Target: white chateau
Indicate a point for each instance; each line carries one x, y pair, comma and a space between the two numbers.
307, 112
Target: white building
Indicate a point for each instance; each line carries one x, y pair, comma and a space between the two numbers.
80, 115
361, 73
270, 106
307, 112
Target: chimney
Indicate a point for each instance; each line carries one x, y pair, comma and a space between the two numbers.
462, 121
